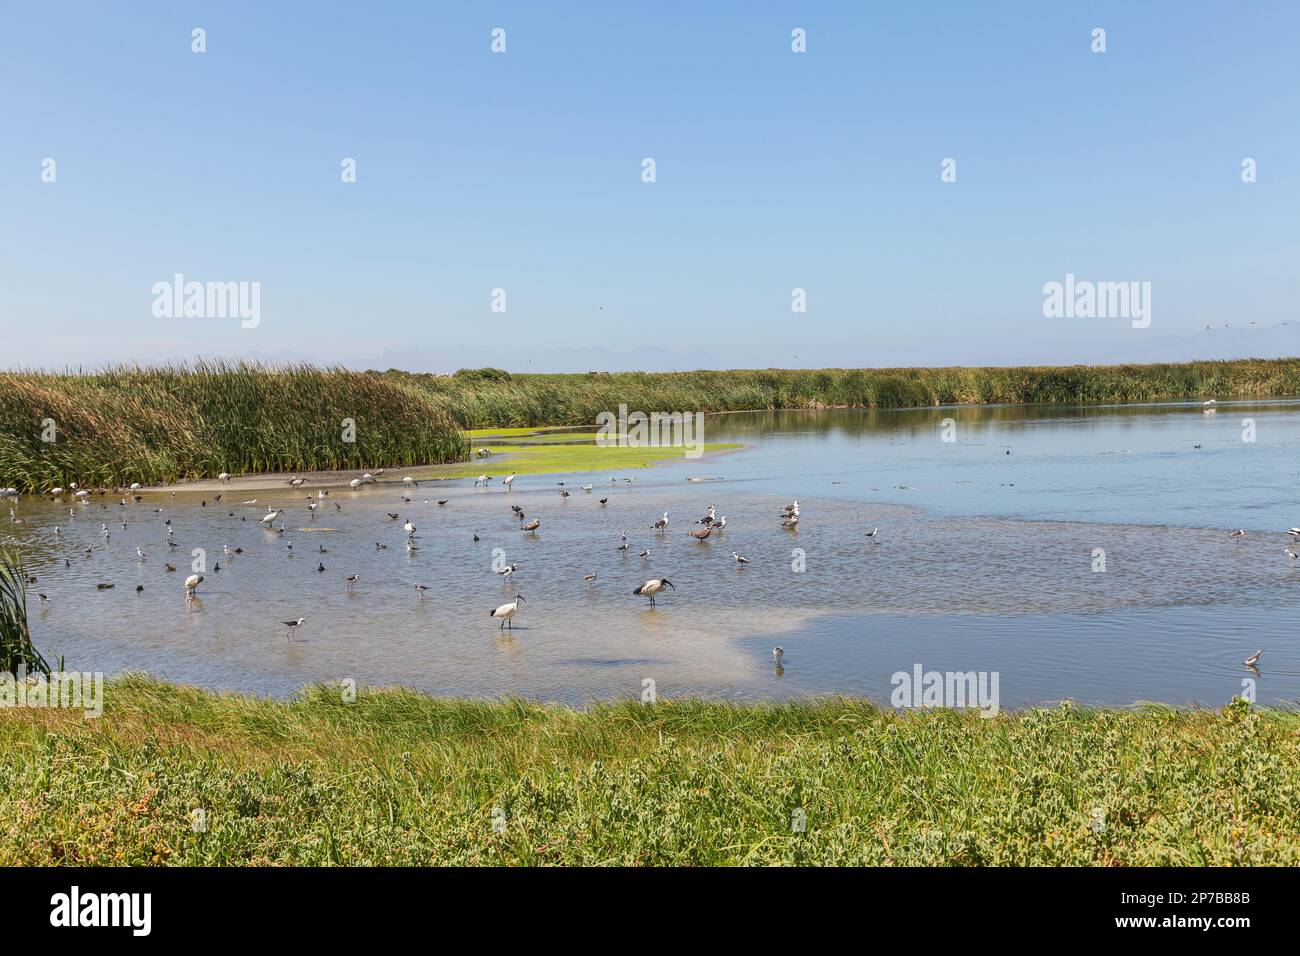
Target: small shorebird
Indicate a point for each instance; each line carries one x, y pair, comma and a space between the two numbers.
508, 570
589, 577
506, 612
1237, 534
532, 525
1292, 555
421, 588
777, 653
1253, 659
352, 579
604, 501
873, 532
290, 627
740, 558
652, 587
644, 554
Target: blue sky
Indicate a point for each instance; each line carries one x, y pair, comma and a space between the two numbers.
775, 170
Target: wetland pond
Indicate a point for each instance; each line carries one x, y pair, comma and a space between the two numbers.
987, 560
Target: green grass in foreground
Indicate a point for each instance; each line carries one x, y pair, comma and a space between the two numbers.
398, 777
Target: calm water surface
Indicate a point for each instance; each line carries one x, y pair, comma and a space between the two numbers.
984, 562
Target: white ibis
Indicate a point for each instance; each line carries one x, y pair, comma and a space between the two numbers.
652, 587
192, 583
509, 481
506, 612
410, 482
354, 483
483, 480
224, 476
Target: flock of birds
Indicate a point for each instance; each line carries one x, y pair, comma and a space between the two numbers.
706, 526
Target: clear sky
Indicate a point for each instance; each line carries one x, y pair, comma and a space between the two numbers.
523, 171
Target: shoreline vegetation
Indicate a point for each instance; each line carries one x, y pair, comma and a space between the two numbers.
181, 422
398, 777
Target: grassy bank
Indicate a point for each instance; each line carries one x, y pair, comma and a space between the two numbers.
398, 777
166, 424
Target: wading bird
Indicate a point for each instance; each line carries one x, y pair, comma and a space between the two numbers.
1253, 659
421, 588
352, 579
873, 532
589, 577
532, 525
740, 558
291, 627
509, 481
506, 612
652, 587
268, 518
484, 480
410, 482
661, 524
701, 534
192, 583
1237, 534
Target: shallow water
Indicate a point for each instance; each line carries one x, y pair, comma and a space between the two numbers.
984, 562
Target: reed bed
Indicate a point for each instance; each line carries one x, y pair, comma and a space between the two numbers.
490, 401
166, 424
18, 655
169, 423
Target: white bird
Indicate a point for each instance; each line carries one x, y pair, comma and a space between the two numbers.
410, 529
720, 524
140, 553
1292, 555
368, 478
354, 483
740, 558
1253, 659
271, 516
224, 476
873, 532
508, 570
506, 612
485, 480
135, 486
587, 488
1237, 534
1294, 532
192, 583
777, 653
644, 554
652, 587
352, 579
410, 482
661, 524
508, 481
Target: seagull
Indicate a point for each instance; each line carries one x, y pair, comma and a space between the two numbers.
391, 516
1294, 532
532, 525
441, 501
644, 554
653, 587
140, 553
506, 612
740, 558
701, 534
790, 521
1253, 659
719, 525
661, 524
587, 488
292, 626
